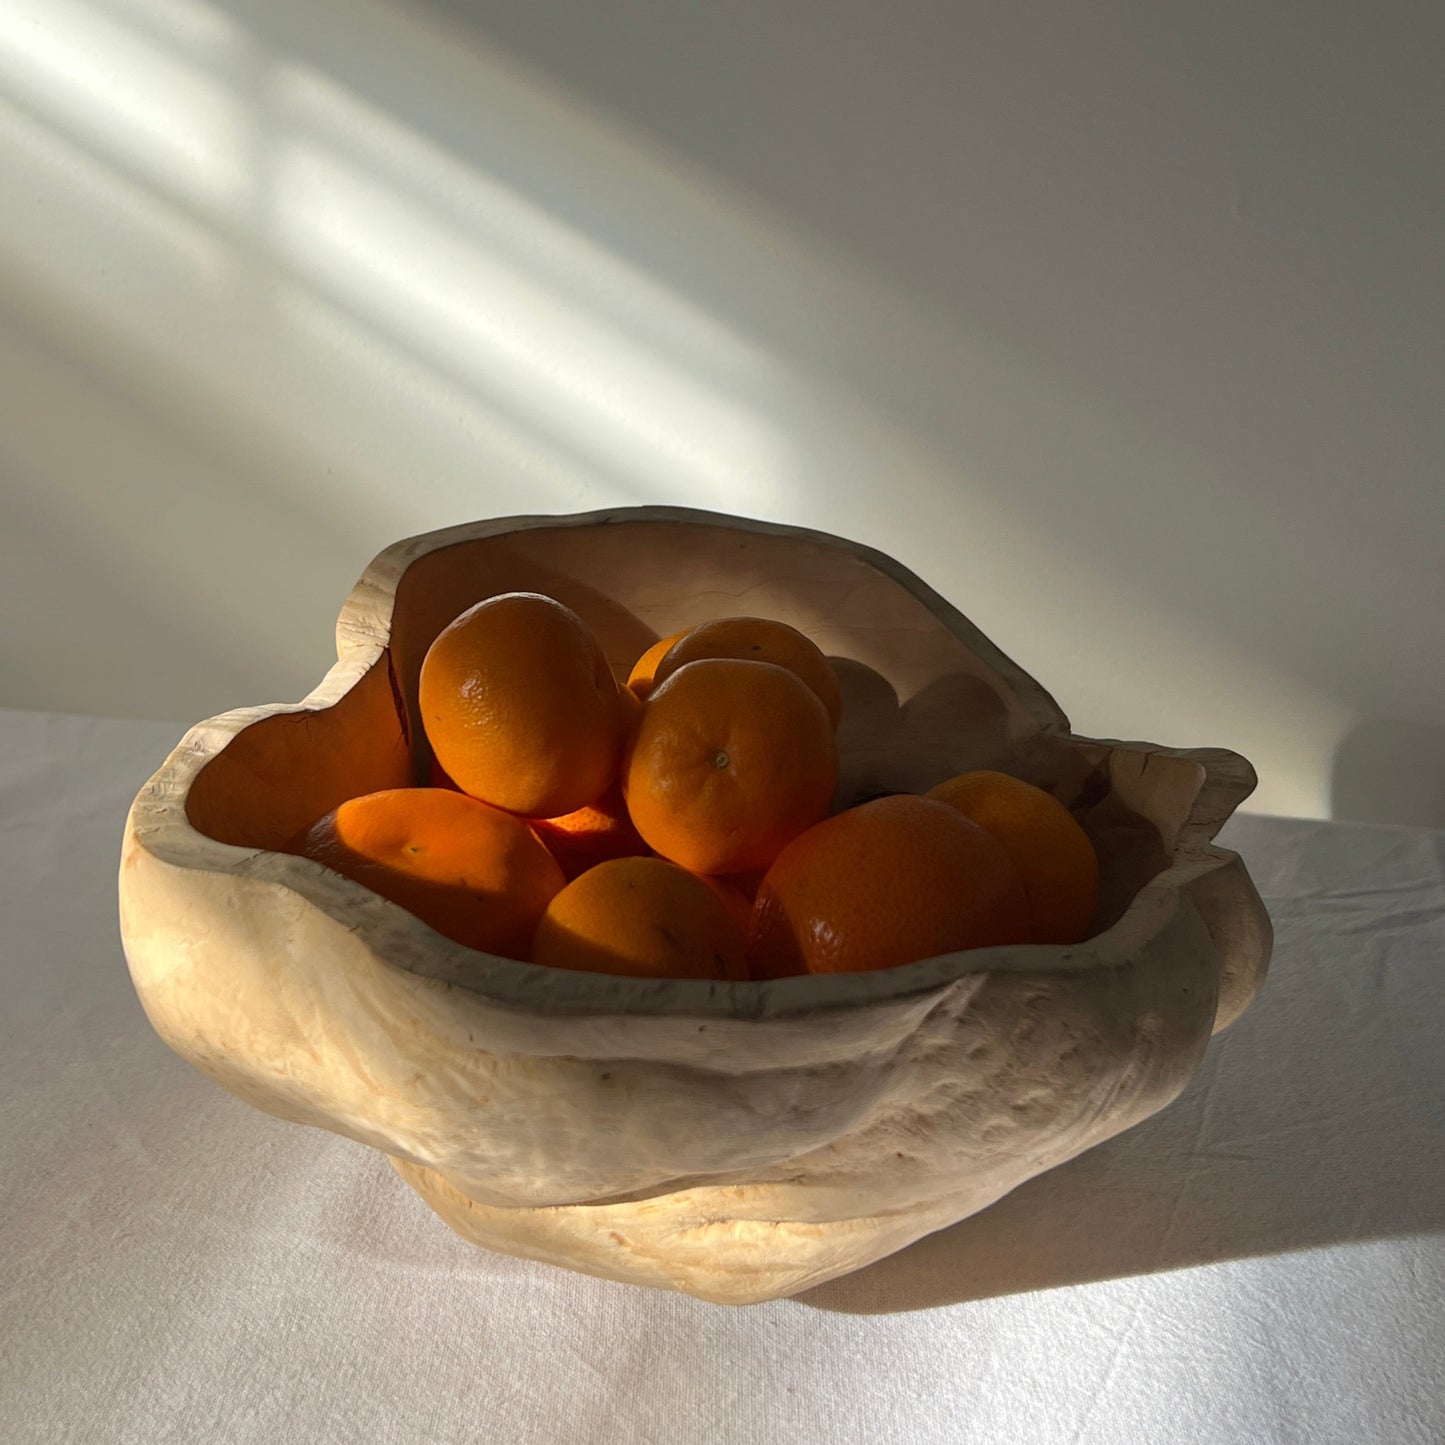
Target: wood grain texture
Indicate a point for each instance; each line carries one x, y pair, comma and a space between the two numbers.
736, 1141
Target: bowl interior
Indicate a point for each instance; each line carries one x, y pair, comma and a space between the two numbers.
925, 695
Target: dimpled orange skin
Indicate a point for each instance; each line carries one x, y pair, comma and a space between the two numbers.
472, 872
730, 761
521, 708
643, 918
756, 639
1053, 854
889, 882
641, 678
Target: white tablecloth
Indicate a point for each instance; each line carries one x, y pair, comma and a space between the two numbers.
1261, 1262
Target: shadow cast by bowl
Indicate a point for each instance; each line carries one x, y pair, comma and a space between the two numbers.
1314, 1121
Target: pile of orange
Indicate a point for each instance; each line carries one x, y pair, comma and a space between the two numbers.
682, 824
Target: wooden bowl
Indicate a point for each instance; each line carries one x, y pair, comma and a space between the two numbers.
735, 1141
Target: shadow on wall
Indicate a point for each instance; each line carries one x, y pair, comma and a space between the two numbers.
1170, 297
1391, 772
299, 329
1080, 321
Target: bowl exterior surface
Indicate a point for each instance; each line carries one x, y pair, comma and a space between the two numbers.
738, 1142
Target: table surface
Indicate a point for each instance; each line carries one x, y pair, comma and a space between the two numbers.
1263, 1261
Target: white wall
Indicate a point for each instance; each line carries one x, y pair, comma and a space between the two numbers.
1122, 325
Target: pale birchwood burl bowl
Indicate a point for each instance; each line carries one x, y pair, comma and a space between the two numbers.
736, 1141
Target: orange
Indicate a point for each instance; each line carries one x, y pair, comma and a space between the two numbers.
643, 917
1054, 856
474, 873
756, 639
521, 708
640, 679
729, 761
581, 839
891, 881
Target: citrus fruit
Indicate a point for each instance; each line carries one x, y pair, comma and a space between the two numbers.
1053, 854
891, 881
587, 836
729, 761
521, 708
474, 873
643, 917
755, 639
640, 679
